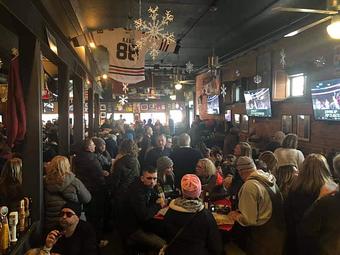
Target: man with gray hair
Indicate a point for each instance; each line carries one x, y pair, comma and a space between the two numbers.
155, 153
260, 209
185, 158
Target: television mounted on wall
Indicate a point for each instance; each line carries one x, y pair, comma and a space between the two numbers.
213, 104
326, 100
258, 102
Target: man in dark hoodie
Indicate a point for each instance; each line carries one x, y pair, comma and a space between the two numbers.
141, 203
260, 210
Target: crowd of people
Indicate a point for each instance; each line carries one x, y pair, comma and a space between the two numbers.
282, 201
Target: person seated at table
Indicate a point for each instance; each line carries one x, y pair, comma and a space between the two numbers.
260, 210
141, 204
211, 180
216, 156
76, 237
199, 232
166, 176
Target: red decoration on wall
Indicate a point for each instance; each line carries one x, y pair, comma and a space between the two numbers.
16, 110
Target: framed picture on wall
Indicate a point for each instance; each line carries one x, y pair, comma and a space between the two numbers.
303, 127
237, 120
244, 123
287, 124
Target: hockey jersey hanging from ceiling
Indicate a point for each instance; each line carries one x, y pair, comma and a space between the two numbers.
126, 62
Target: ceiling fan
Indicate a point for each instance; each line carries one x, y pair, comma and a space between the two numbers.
333, 9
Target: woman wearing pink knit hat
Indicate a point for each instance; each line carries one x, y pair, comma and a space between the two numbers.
200, 235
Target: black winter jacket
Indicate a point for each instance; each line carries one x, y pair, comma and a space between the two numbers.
319, 232
138, 209
200, 237
125, 171
89, 171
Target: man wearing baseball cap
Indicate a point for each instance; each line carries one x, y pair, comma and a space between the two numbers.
260, 210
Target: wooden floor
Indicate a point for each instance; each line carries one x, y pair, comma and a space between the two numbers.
115, 248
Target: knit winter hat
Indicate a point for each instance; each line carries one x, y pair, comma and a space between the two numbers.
164, 163
98, 141
76, 207
191, 186
245, 163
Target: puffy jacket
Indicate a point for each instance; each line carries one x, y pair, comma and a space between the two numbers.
56, 195
125, 171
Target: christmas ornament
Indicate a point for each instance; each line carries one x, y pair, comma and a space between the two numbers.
320, 61
123, 99
189, 67
223, 91
125, 87
238, 73
154, 30
283, 58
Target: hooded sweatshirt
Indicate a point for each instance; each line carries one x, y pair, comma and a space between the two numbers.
200, 235
254, 201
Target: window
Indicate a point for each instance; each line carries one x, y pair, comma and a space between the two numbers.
296, 85
237, 94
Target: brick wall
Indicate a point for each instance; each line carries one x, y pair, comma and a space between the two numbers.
301, 51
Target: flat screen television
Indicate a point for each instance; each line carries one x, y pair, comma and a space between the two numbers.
213, 104
227, 115
258, 102
48, 107
326, 100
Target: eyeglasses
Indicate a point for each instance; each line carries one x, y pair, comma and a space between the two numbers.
151, 178
68, 214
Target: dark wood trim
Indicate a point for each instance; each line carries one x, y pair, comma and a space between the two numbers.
63, 110
90, 111
30, 64
96, 113
78, 109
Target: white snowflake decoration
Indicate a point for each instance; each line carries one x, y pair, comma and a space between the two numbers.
223, 91
125, 87
283, 58
257, 79
189, 67
123, 99
154, 30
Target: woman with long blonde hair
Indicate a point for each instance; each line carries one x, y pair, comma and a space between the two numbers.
314, 180
60, 186
211, 180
